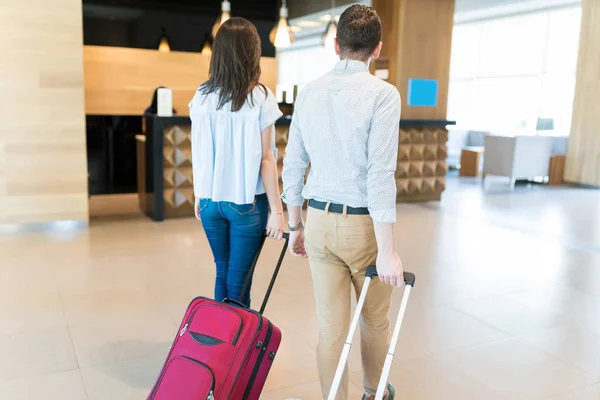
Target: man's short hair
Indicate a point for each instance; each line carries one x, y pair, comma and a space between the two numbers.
359, 31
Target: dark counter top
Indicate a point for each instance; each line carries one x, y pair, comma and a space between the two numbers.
404, 123
425, 123
287, 120
284, 121
176, 119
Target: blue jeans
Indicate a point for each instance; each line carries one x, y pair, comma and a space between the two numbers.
235, 233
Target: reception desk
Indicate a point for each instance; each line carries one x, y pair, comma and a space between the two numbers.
165, 183
422, 152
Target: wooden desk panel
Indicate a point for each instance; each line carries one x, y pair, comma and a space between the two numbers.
43, 171
121, 81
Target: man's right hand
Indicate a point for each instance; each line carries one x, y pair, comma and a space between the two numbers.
296, 244
389, 269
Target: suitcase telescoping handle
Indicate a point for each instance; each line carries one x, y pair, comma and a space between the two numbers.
286, 239
409, 280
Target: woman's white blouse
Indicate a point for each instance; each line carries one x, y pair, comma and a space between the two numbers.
227, 146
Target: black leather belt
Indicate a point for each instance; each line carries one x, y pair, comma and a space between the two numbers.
337, 208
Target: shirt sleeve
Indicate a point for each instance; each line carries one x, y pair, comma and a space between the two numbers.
269, 111
383, 157
295, 162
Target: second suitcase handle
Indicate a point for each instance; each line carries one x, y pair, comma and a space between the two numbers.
409, 280
409, 277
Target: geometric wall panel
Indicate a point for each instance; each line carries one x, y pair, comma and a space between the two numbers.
402, 169
178, 173
417, 152
421, 168
415, 169
430, 169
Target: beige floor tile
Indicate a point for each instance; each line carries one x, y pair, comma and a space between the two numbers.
110, 307
514, 369
429, 378
509, 315
588, 393
32, 353
125, 380
58, 386
295, 364
306, 391
111, 341
442, 329
488, 265
574, 304
28, 309
573, 344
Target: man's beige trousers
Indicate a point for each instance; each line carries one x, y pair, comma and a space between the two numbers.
340, 248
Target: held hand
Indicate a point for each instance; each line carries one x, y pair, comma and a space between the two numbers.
389, 269
275, 226
197, 208
297, 244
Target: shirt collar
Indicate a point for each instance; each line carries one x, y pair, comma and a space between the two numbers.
351, 65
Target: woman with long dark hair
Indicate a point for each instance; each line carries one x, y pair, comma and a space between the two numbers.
233, 155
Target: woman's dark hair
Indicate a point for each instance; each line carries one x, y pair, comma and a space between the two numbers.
235, 64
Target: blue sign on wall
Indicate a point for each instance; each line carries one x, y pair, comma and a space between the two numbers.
422, 92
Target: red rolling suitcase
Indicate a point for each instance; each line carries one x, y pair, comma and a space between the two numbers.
223, 351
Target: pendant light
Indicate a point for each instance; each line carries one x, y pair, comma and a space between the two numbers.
207, 46
281, 35
225, 15
164, 45
331, 30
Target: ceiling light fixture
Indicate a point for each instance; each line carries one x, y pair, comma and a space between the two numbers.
225, 15
331, 31
281, 35
207, 46
309, 24
164, 44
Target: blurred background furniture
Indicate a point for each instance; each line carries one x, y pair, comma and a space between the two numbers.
556, 170
470, 161
518, 157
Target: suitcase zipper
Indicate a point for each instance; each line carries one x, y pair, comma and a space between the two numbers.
263, 351
183, 330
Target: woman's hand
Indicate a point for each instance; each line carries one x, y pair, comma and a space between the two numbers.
275, 226
197, 208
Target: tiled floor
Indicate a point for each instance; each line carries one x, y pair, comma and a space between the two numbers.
507, 302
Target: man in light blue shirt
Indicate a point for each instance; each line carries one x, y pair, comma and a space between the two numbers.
346, 125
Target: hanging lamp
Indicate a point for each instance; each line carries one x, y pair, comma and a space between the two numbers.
330, 33
164, 44
281, 35
207, 46
225, 15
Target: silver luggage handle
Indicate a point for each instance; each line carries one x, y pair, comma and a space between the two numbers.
409, 280
409, 277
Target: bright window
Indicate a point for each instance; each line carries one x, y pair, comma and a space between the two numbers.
506, 73
302, 66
